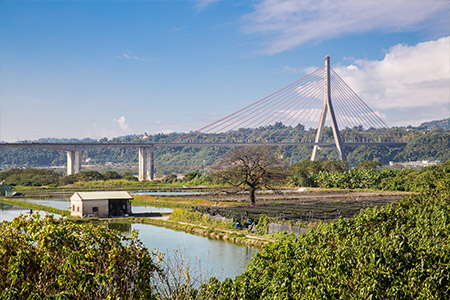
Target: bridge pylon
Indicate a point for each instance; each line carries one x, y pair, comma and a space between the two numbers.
328, 109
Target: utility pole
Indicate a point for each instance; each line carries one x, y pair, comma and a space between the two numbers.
328, 108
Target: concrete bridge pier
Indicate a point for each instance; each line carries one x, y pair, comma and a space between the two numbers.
73, 162
146, 166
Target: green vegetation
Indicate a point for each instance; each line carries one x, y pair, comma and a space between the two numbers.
46, 258
181, 215
307, 174
431, 146
423, 144
174, 202
29, 177
93, 179
398, 251
443, 124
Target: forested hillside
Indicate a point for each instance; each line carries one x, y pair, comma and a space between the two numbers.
443, 124
423, 144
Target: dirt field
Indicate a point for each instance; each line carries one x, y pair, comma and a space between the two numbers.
312, 204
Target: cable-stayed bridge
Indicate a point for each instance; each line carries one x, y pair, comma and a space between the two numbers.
318, 110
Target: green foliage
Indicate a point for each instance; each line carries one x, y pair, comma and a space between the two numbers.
46, 258
182, 215
29, 177
302, 173
191, 176
129, 176
443, 124
422, 145
432, 146
172, 178
399, 251
368, 165
42, 177
111, 175
364, 177
263, 224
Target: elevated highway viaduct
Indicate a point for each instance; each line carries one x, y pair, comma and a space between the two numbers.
146, 151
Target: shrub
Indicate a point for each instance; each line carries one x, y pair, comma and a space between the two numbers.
46, 258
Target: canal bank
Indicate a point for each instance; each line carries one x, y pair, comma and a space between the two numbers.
158, 217
217, 253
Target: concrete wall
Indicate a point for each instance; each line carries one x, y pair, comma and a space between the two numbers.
273, 227
85, 208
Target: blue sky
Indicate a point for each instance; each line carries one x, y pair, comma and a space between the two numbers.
110, 68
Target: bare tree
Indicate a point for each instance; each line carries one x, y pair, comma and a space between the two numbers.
250, 168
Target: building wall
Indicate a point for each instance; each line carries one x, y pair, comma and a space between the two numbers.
5, 190
87, 208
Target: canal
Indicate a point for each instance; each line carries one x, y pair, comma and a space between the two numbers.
208, 256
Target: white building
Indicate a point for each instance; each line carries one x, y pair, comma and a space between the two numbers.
100, 204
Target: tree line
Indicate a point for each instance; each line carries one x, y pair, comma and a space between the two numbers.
251, 169
422, 144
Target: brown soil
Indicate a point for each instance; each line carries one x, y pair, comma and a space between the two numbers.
312, 204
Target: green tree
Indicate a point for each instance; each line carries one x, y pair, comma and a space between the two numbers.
368, 165
250, 168
112, 175
48, 258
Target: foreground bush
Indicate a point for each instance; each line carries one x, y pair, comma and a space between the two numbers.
45, 258
400, 251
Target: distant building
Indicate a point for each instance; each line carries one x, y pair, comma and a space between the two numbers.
100, 204
415, 164
5, 190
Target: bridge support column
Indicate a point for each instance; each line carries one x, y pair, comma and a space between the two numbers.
146, 167
328, 109
73, 162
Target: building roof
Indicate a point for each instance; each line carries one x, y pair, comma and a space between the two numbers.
101, 195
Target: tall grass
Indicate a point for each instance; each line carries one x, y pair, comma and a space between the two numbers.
182, 215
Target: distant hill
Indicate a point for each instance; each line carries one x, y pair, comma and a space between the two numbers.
443, 124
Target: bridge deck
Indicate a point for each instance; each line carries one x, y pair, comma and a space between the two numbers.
86, 146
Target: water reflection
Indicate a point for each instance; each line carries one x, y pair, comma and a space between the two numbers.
59, 203
123, 228
214, 257
9, 212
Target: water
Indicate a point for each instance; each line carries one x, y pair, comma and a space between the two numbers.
9, 212
59, 203
213, 257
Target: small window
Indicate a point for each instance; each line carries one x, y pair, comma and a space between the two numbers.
95, 209
78, 208
73, 207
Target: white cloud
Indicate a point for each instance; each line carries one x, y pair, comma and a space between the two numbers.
409, 80
122, 123
130, 56
178, 28
286, 23
203, 4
